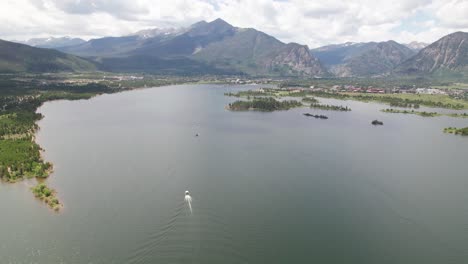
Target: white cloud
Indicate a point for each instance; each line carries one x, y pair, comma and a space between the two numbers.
453, 14
311, 22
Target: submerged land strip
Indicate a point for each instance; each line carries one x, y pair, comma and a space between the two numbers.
424, 113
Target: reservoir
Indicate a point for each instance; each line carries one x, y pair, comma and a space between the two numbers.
273, 187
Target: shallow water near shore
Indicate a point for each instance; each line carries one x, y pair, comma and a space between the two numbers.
267, 187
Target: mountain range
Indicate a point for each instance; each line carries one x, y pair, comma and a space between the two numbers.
217, 47
363, 59
205, 46
15, 57
447, 56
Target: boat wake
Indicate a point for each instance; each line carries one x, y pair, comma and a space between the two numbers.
186, 237
188, 199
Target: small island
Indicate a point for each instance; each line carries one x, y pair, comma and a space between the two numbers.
377, 123
48, 195
316, 116
330, 107
263, 104
456, 131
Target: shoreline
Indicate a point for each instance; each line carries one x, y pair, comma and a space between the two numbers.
48, 167
32, 163
49, 172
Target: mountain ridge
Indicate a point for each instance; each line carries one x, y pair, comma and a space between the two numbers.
363, 59
16, 57
219, 47
447, 55
216, 44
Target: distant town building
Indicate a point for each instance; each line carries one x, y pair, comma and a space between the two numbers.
429, 91
296, 91
375, 90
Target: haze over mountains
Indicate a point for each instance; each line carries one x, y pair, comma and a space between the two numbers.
416, 45
219, 48
52, 42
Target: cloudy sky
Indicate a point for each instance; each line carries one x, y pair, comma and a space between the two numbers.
311, 22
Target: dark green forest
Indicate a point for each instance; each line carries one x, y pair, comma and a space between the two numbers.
263, 104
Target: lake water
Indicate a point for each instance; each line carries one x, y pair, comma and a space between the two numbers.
267, 187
